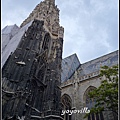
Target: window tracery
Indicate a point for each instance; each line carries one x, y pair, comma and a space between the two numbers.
90, 102
46, 42
66, 105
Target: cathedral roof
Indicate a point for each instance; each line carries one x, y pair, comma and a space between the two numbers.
7, 33
69, 65
9, 29
96, 64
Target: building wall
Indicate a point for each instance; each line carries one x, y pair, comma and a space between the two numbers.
76, 92
83, 79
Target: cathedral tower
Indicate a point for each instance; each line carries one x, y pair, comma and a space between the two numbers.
31, 75
49, 13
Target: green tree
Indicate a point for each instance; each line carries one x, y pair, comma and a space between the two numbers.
106, 95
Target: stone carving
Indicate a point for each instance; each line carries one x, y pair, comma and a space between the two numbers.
31, 76
49, 13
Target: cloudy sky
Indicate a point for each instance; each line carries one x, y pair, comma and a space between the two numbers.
91, 26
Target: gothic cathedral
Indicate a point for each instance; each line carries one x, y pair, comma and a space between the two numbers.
37, 84
31, 74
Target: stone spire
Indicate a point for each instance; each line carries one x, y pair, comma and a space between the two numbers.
49, 13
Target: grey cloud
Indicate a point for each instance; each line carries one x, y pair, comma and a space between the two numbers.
91, 26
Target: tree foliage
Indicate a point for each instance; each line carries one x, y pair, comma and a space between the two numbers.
106, 94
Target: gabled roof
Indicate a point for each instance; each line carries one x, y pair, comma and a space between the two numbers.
10, 29
7, 33
69, 65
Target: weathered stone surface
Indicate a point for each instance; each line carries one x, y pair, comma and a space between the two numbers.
32, 73
49, 13
31, 76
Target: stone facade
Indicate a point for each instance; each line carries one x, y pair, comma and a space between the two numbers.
31, 73
84, 78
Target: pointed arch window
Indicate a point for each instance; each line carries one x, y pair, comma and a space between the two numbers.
66, 105
90, 102
46, 42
